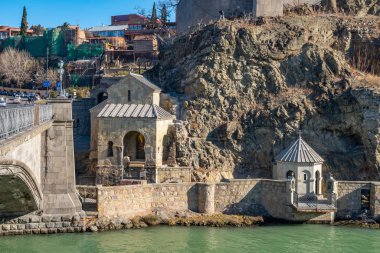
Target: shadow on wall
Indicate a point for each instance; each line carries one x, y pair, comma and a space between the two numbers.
192, 198
250, 204
352, 204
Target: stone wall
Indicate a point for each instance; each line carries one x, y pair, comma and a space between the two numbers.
173, 174
129, 201
82, 117
349, 199
248, 197
253, 197
375, 200
34, 224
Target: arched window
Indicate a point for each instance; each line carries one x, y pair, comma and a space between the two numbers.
110, 149
129, 96
290, 174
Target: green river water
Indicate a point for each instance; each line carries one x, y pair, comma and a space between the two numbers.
281, 238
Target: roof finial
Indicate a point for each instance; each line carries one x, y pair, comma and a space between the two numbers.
300, 133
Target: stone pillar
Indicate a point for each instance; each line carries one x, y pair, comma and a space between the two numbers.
290, 190
118, 153
331, 189
206, 198
58, 177
375, 201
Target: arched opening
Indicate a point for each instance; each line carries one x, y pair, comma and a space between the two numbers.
19, 191
110, 149
306, 182
317, 182
290, 174
165, 146
134, 144
102, 96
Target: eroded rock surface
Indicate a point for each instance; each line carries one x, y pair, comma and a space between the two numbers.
246, 90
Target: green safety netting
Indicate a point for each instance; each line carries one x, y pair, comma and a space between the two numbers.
84, 51
54, 40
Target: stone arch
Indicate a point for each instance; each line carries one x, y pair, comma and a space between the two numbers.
134, 145
110, 149
19, 189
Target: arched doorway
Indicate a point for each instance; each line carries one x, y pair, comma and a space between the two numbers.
134, 143
306, 182
102, 96
317, 182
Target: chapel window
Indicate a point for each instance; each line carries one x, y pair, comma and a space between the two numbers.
129, 96
110, 149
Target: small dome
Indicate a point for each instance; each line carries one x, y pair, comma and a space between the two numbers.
299, 152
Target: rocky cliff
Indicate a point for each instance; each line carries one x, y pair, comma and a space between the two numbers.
246, 89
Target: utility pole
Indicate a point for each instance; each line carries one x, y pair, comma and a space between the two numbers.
47, 63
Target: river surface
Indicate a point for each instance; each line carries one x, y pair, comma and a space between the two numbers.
282, 238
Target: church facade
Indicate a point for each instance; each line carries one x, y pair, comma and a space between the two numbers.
130, 126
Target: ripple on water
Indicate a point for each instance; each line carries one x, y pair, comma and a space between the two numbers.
282, 238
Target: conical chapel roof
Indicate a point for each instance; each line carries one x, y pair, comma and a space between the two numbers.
299, 152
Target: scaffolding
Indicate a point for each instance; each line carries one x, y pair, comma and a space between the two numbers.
84, 51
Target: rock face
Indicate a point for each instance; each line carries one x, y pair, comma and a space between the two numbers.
246, 90
359, 7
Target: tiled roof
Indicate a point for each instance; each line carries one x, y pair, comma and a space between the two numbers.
299, 152
134, 111
145, 81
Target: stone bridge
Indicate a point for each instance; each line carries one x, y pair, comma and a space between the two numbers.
37, 173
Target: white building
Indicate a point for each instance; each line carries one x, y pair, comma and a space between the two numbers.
300, 161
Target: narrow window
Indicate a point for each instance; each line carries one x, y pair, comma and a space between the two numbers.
304, 177
110, 149
129, 96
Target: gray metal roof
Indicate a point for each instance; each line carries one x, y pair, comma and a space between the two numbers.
299, 152
145, 81
134, 111
109, 28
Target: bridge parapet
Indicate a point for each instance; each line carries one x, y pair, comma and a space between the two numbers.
45, 113
18, 119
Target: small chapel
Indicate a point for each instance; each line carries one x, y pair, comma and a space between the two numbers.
130, 126
301, 163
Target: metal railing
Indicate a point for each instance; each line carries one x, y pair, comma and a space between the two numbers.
45, 113
311, 202
18, 119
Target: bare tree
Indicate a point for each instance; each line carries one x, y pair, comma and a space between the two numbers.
16, 67
40, 74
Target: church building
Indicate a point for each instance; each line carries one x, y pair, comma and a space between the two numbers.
130, 123
301, 163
